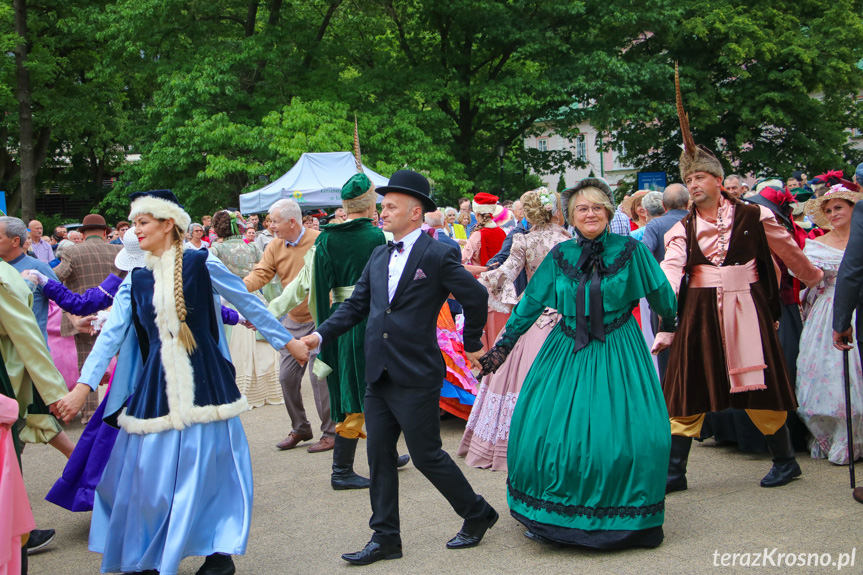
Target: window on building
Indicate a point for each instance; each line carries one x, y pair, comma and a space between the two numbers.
542, 145
581, 148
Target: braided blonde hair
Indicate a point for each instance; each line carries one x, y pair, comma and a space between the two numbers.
187, 340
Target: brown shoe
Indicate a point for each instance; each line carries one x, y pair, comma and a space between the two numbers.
325, 444
293, 440
857, 494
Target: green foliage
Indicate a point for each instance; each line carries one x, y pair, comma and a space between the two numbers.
561, 183
217, 97
771, 86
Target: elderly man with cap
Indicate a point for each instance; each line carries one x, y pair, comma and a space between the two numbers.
400, 293
84, 266
725, 352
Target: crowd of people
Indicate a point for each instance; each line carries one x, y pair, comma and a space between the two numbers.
554, 325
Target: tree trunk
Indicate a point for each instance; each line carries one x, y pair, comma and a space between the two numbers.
25, 115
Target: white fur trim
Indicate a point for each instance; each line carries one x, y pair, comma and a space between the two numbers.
179, 375
161, 209
484, 208
198, 414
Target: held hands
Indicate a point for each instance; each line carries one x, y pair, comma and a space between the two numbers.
35, 277
83, 324
474, 359
842, 340
300, 352
663, 341
312, 341
493, 359
68, 407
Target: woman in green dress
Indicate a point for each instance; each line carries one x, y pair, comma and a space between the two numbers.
590, 438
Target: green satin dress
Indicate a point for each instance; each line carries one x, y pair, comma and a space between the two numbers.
590, 436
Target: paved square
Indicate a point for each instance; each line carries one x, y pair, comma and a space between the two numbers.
301, 526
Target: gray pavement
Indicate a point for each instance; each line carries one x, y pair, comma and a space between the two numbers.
300, 525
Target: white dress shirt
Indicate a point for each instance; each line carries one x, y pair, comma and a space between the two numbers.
398, 260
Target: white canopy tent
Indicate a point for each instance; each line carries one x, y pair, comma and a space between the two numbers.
315, 181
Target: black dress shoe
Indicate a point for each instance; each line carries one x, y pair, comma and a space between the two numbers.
217, 564
403, 460
372, 552
538, 538
470, 537
39, 539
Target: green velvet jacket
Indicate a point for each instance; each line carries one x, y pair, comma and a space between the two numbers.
341, 253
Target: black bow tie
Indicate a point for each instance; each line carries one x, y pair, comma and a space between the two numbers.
391, 245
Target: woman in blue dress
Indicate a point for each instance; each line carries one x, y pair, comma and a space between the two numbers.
179, 479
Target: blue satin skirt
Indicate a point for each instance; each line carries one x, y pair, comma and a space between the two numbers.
170, 495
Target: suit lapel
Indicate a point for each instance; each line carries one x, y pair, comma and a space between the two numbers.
379, 279
413, 261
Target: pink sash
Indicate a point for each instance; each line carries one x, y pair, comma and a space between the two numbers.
741, 338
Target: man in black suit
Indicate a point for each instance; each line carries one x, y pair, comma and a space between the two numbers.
401, 291
849, 296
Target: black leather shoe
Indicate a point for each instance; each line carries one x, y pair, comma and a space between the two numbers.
372, 552
782, 473
217, 564
538, 538
785, 467
39, 539
403, 460
470, 537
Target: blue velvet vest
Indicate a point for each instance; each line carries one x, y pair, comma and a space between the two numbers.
163, 397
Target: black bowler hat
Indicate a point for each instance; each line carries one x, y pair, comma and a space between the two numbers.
161, 194
410, 183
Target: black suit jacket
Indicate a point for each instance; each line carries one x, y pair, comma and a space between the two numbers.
849, 282
401, 336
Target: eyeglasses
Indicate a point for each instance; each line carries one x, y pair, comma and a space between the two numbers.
582, 210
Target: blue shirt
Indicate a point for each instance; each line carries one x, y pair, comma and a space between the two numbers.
40, 302
654, 231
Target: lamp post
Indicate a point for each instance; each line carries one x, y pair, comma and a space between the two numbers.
501, 151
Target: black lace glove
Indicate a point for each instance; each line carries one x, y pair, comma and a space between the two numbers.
493, 359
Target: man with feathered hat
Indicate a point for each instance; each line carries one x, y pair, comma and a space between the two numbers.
719, 261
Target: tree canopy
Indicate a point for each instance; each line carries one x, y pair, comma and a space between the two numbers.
218, 97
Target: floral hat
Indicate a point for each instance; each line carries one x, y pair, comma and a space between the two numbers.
626, 204
837, 191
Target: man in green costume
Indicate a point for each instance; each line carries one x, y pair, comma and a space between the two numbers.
332, 267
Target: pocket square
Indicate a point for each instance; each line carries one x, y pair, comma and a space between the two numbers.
419, 275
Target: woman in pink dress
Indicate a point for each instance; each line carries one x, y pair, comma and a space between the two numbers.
487, 432
16, 518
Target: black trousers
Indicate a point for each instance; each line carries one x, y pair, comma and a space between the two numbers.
390, 410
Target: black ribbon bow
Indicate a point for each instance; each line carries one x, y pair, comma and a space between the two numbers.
589, 266
391, 245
